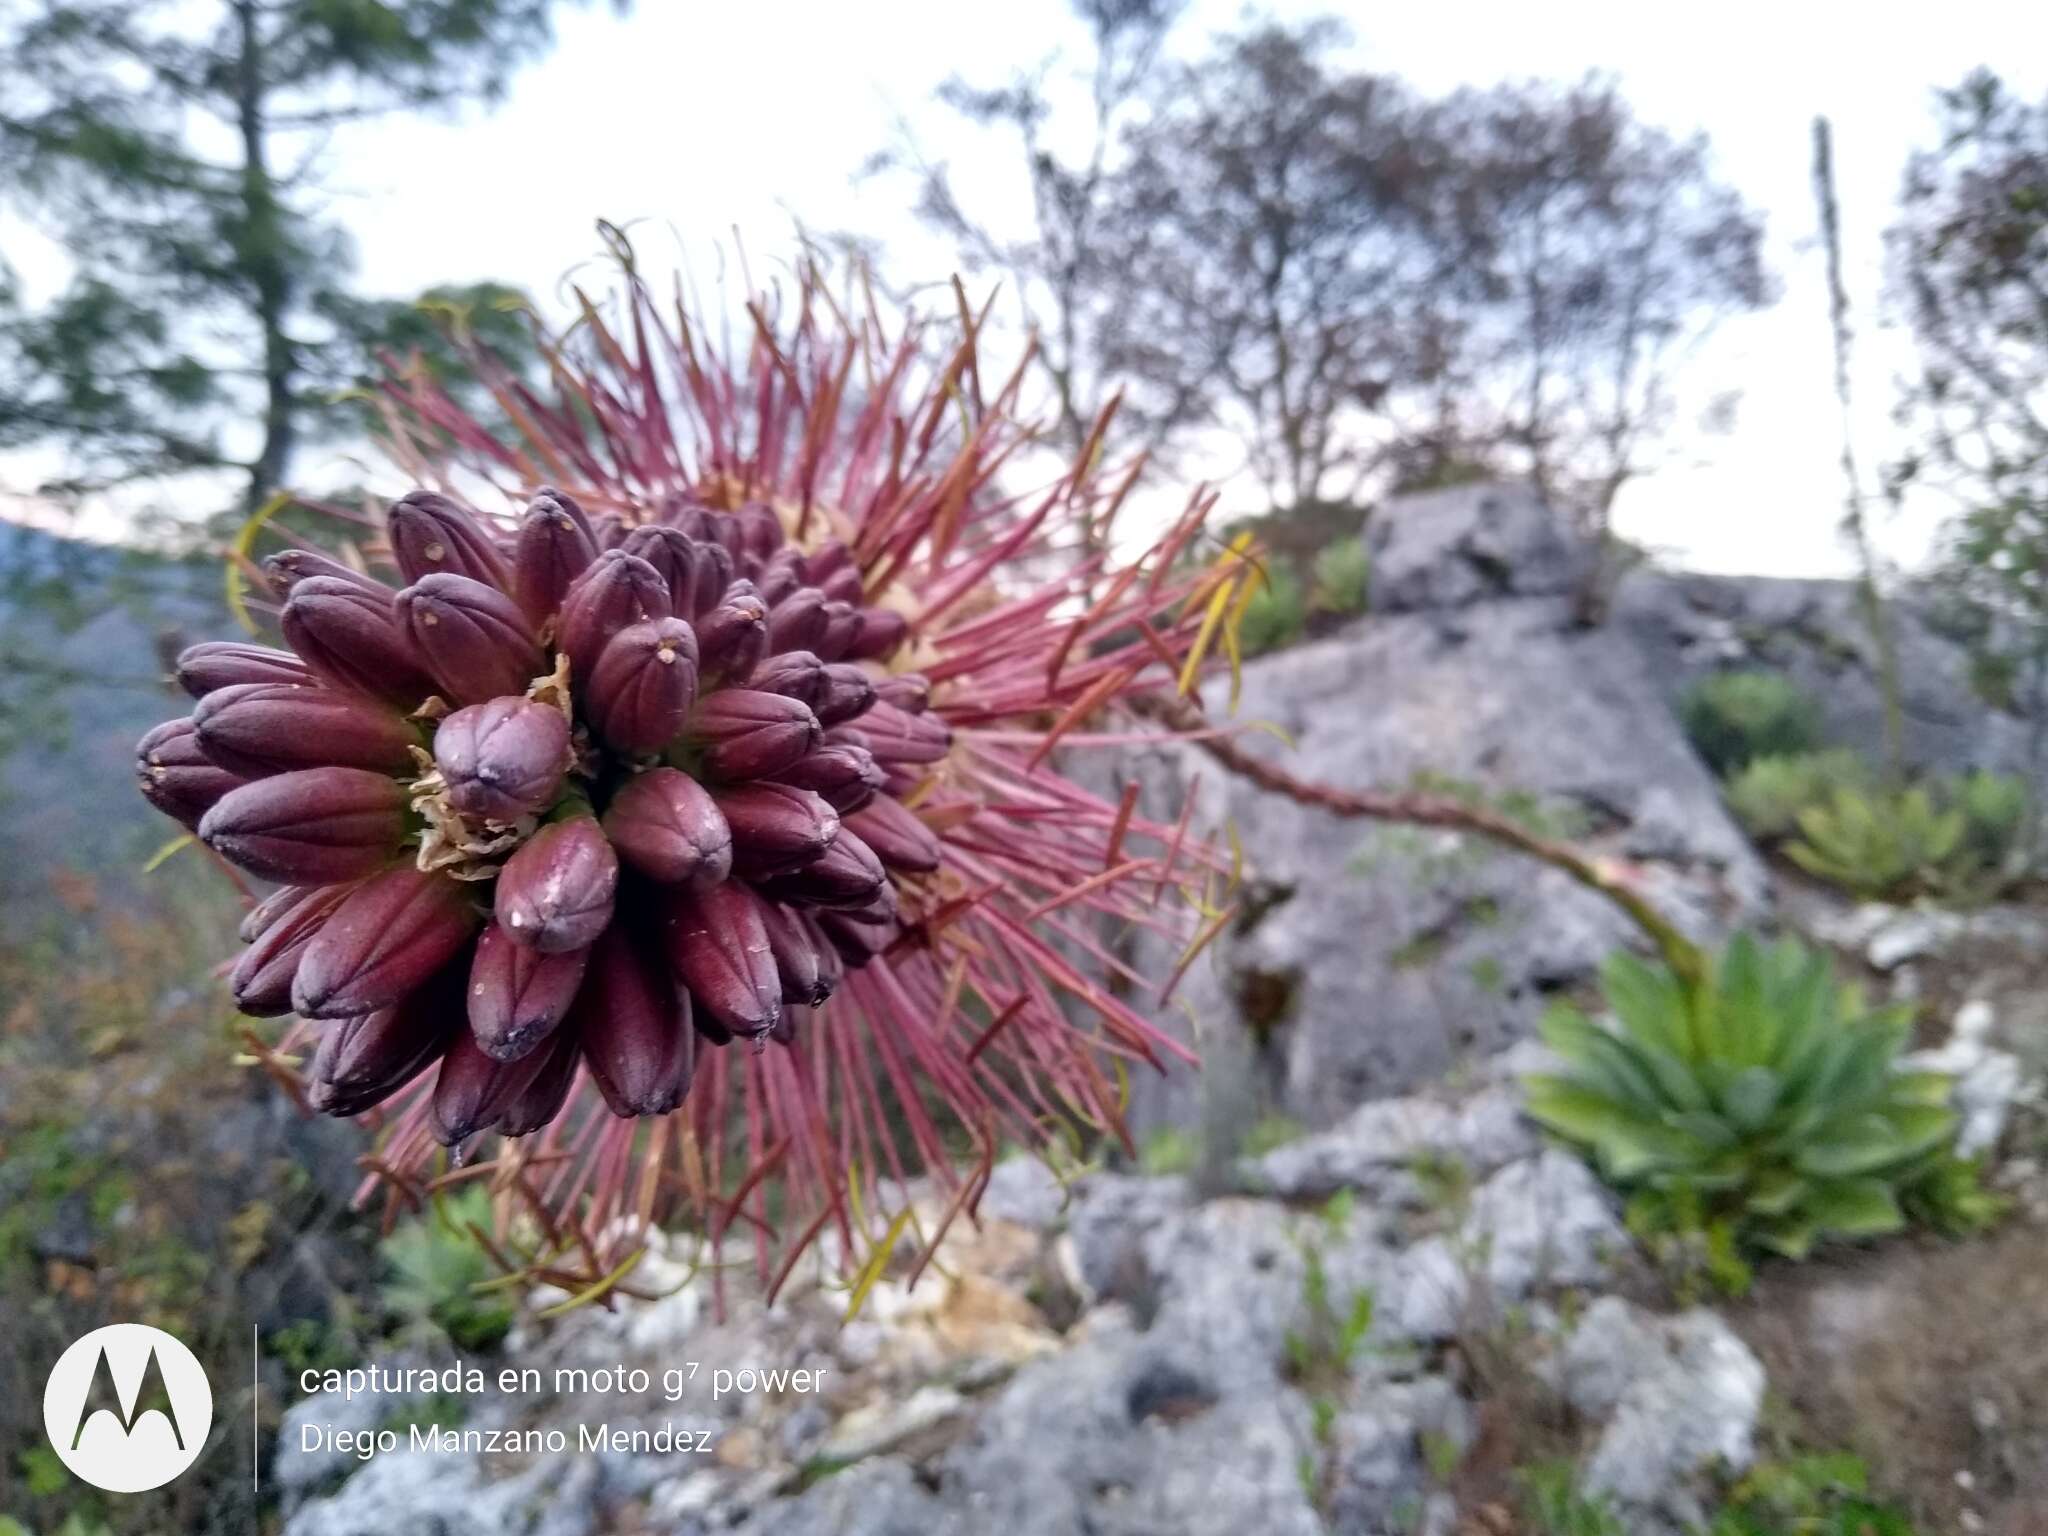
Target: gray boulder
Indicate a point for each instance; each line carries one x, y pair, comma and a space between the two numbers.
1120, 1436
1687, 625
1469, 544
1369, 959
1678, 1398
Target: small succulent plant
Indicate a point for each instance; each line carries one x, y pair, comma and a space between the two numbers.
1764, 1109
1734, 718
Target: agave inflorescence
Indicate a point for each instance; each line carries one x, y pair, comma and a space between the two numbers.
734, 730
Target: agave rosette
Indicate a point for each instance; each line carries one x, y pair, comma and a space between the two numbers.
677, 835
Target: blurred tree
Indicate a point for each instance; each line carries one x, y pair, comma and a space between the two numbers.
1274, 238
1877, 617
1366, 289
207, 326
1603, 252
1063, 270
1969, 268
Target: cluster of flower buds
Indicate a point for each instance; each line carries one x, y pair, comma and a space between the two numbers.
578, 793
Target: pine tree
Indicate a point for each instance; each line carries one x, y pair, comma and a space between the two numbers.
207, 327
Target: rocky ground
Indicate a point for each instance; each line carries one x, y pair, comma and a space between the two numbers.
1391, 1318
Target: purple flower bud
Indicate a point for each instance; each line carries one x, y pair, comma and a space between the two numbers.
828, 557
715, 573
548, 498
351, 637
674, 554
316, 826
638, 697
780, 577
474, 1090
362, 1061
856, 939
555, 545
798, 624
214, 664
807, 964
795, 675
635, 1029
847, 776
687, 514
517, 995
475, 640
556, 892
665, 824
900, 840
544, 1096
844, 586
775, 827
264, 728
732, 635
287, 568
262, 978
744, 734
272, 908
718, 948
786, 1031
618, 590
430, 533
504, 759
896, 737
842, 627
760, 530
609, 530
710, 1030
724, 530
849, 694
910, 692
881, 631
388, 936
878, 908
178, 778
846, 875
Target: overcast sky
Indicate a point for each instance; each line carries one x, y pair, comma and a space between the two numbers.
701, 118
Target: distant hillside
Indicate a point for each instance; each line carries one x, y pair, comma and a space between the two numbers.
86, 636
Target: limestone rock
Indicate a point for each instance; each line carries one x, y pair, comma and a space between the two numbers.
1369, 959
1466, 544
1545, 1221
1678, 1398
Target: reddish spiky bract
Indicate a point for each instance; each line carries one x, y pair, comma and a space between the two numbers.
741, 731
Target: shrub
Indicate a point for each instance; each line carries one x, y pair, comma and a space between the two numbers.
1762, 1110
1555, 1506
1958, 837
1884, 843
1343, 571
1824, 1494
1949, 1197
1769, 793
1169, 1150
1275, 614
436, 1266
1734, 718
1997, 810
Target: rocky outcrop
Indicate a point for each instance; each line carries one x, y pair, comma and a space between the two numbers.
1370, 959
1687, 625
87, 633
